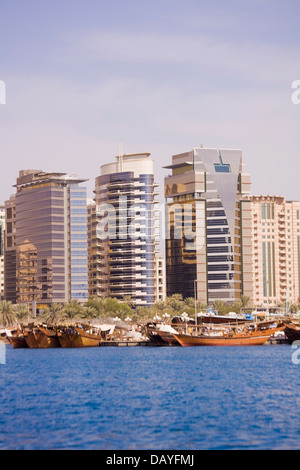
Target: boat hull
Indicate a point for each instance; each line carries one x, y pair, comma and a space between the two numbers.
84, 339
84, 342
292, 332
167, 338
31, 340
186, 340
66, 339
47, 339
78, 339
18, 342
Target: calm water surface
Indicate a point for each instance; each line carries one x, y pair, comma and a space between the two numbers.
150, 398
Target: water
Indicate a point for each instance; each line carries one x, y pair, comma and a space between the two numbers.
150, 398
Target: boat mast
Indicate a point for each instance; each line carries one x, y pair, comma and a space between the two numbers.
195, 298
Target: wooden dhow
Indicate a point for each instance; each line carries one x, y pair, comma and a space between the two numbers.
241, 335
87, 336
292, 330
16, 339
161, 334
79, 336
41, 337
66, 337
47, 337
31, 338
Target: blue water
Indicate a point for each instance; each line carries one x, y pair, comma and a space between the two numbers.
150, 398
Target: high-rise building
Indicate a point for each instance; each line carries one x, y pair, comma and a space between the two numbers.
10, 252
2, 232
208, 221
94, 246
46, 239
125, 244
276, 250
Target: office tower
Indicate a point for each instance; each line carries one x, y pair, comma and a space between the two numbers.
2, 232
276, 250
125, 199
46, 240
208, 221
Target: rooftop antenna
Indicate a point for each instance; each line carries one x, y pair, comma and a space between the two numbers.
120, 158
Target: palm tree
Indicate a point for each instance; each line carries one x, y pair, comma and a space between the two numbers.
7, 313
73, 310
127, 300
245, 300
52, 313
89, 313
175, 303
21, 311
220, 306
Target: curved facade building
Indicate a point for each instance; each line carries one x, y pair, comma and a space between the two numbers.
125, 198
208, 245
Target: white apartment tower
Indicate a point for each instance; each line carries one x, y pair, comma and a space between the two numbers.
126, 242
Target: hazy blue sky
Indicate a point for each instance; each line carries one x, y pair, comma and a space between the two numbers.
162, 76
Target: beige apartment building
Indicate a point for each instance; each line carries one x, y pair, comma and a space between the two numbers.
2, 233
276, 250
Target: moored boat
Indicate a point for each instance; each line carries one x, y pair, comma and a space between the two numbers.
161, 334
247, 335
31, 338
87, 336
250, 340
79, 336
165, 332
17, 339
47, 338
66, 337
292, 331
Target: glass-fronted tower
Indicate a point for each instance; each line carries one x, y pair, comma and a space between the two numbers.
48, 238
125, 199
208, 240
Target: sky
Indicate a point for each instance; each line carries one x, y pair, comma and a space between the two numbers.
83, 76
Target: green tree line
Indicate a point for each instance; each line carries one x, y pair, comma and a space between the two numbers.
97, 307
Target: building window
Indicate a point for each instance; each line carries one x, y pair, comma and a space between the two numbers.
222, 167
